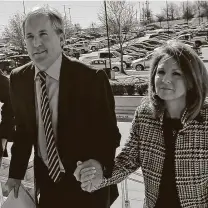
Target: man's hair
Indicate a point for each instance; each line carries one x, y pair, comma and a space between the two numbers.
53, 15
194, 72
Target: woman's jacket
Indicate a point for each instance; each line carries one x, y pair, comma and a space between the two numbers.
145, 148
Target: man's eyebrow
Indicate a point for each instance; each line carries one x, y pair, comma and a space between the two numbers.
42, 31
28, 34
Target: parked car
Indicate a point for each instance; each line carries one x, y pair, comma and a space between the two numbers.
142, 63
95, 45
143, 46
83, 42
103, 64
133, 51
20, 59
135, 55
193, 45
148, 45
104, 54
88, 37
202, 33
82, 48
7, 65
154, 41
71, 40
139, 50
2, 56
197, 39
70, 51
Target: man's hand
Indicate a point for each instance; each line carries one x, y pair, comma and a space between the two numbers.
90, 174
12, 184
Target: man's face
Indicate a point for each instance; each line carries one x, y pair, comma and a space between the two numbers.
43, 43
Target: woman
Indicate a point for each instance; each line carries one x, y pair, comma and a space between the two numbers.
169, 134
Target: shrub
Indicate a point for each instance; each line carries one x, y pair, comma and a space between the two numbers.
129, 88
133, 86
117, 88
142, 88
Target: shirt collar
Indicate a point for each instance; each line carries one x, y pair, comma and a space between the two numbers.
54, 70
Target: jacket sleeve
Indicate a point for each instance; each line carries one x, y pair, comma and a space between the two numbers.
106, 124
22, 144
7, 118
127, 161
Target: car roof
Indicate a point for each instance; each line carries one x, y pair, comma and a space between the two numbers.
98, 60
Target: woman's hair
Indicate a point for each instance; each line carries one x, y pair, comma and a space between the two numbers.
194, 72
53, 15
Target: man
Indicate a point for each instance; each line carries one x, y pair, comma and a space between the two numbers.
64, 109
7, 119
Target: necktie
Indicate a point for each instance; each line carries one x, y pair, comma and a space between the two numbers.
52, 152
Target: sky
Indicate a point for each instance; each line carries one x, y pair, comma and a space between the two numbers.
82, 12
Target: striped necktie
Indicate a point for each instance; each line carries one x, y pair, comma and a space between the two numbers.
52, 152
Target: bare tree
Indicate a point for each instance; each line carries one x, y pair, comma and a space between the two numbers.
68, 28
173, 11
166, 11
188, 10
204, 5
120, 18
146, 14
198, 10
77, 27
160, 18
13, 32
92, 27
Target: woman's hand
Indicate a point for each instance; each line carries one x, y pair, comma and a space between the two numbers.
90, 174
91, 178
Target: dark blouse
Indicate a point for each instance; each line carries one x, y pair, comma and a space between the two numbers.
168, 196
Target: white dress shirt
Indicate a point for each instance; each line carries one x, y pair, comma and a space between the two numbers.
52, 87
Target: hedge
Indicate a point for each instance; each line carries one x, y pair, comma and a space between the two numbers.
130, 87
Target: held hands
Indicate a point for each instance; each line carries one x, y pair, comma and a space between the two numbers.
90, 174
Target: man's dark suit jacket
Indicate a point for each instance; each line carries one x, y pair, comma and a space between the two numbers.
87, 127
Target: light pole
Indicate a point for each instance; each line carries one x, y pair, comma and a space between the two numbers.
23, 3
65, 12
65, 25
187, 11
70, 17
167, 17
199, 10
140, 17
106, 21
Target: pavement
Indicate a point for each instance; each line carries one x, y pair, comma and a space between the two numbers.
131, 190
204, 56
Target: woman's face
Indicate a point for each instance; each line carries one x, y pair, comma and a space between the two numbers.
169, 80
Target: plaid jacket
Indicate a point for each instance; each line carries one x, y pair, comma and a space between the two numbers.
145, 148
